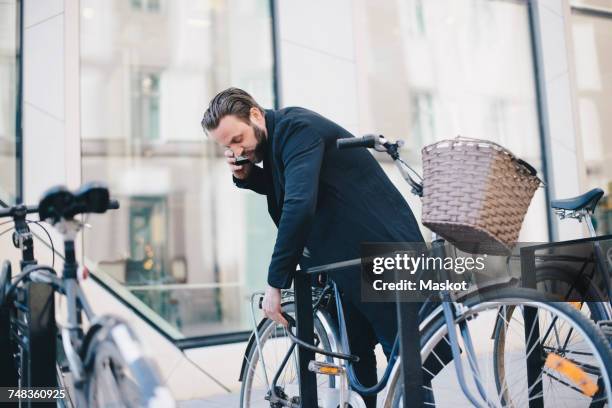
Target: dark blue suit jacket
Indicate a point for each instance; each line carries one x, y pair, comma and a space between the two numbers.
326, 200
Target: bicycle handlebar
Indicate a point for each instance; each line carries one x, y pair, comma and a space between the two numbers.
364, 141
32, 209
18, 210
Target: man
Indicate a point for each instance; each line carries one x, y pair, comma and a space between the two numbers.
325, 203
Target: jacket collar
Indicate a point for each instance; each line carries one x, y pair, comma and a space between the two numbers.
270, 116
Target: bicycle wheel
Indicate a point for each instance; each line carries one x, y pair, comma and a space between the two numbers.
116, 373
563, 340
572, 370
275, 345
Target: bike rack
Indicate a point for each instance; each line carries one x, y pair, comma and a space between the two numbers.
305, 332
409, 341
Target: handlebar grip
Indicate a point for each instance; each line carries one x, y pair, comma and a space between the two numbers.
113, 205
364, 141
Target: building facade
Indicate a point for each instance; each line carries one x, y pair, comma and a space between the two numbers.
115, 90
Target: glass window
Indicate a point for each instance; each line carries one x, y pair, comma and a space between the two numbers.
185, 248
9, 100
592, 36
432, 70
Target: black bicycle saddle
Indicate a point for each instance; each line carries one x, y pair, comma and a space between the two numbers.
93, 197
58, 202
587, 200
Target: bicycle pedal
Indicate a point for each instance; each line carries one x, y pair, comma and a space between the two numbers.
321, 367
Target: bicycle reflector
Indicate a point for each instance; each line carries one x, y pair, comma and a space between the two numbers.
573, 373
320, 367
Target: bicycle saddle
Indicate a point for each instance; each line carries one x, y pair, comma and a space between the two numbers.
59, 202
587, 201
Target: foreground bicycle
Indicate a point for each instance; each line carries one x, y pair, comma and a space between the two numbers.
563, 359
106, 365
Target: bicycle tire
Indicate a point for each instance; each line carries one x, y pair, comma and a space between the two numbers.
436, 330
499, 343
265, 331
116, 372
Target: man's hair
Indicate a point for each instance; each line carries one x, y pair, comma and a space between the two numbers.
232, 101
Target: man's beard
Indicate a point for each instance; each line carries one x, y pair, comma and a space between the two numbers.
260, 148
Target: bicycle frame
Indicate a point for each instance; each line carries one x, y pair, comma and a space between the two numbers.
428, 312
76, 304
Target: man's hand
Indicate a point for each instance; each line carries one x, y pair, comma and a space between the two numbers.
271, 305
240, 172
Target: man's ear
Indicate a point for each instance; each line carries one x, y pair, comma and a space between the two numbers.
256, 116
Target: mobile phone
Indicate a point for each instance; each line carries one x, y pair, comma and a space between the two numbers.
240, 160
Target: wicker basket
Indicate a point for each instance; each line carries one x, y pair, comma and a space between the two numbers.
476, 194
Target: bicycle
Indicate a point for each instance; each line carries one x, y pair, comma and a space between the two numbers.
105, 364
580, 286
582, 376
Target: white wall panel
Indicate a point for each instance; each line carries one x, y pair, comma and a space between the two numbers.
43, 153
37, 11
560, 103
43, 68
560, 112
554, 48
320, 82
322, 25
554, 6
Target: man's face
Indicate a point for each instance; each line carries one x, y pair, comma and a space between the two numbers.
241, 138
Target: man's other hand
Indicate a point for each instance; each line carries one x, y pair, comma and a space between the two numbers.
271, 305
240, 172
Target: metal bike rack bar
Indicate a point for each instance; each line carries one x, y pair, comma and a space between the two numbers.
532, 332
305, 332
408, 327
410, 352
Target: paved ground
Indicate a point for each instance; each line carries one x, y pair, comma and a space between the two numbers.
220, 401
